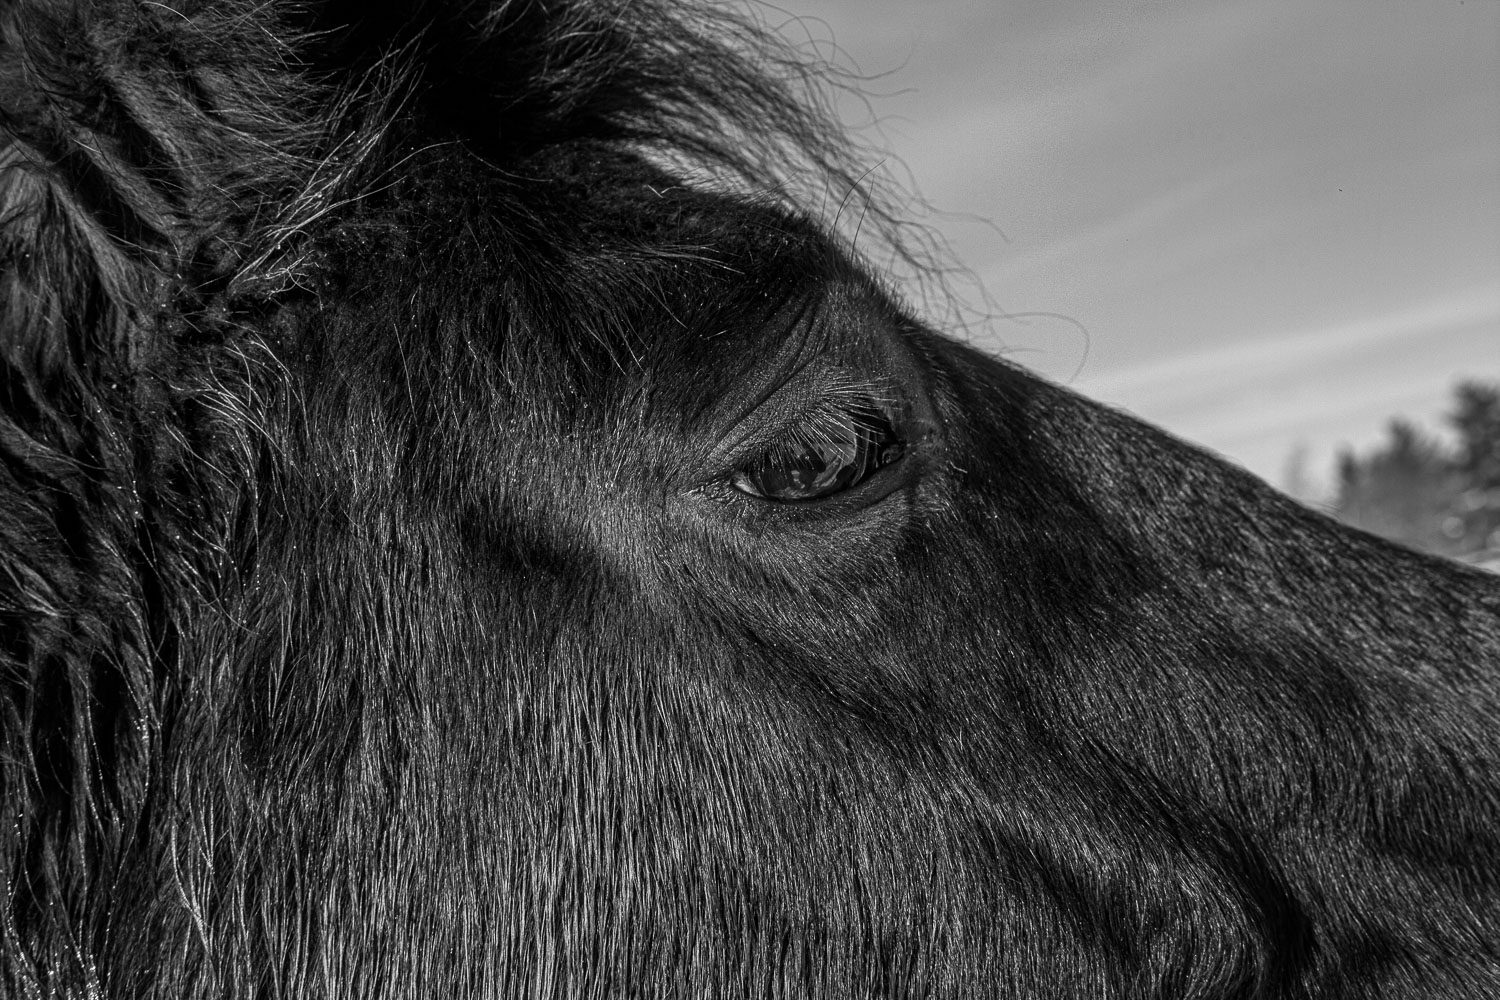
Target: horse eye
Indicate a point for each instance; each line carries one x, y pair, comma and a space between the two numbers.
836, 451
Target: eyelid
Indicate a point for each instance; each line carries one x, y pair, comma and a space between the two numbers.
795, 404
844, 346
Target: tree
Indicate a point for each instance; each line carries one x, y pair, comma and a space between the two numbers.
1476, 418
1295, 481
1408, 491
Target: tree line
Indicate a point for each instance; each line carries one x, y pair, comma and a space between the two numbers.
1426, 493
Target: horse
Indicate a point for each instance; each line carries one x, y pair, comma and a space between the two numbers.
472, 525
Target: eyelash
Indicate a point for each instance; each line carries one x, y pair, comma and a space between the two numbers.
834, 448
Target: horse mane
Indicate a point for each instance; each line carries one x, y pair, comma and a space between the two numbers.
161, 150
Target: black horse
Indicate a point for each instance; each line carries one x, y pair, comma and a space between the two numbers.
468, 530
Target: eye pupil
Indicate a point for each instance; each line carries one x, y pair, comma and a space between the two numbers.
836, 453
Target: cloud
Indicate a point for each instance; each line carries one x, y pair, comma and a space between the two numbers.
1320, 388
1267, 357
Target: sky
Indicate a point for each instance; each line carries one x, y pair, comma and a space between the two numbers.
1267, 225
